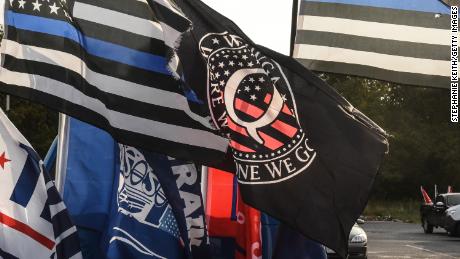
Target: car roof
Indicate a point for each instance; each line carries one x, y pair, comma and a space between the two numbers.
450, 194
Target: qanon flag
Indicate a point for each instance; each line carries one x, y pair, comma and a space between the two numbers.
34, 222
300, 151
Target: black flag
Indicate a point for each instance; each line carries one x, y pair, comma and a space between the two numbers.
301, 152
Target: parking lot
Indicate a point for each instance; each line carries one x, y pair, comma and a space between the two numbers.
403, 240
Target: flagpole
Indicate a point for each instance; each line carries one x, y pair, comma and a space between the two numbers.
204, 185
295, 10
7, 103
61, 157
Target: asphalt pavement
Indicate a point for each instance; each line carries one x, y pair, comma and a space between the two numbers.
406, 241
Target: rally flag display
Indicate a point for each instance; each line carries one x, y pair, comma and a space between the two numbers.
406, 42
140, 196
34, 222
112, 64
301, 152
157, 209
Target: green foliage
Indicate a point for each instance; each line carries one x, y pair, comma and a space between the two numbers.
38, 124
405, 210
424, 145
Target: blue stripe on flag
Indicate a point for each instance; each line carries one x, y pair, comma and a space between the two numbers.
25, 186
431, 6
93, 46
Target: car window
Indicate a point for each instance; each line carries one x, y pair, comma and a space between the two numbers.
453, 200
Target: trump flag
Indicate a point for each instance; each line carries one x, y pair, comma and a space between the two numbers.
34, 222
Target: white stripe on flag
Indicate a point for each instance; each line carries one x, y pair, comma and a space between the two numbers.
118, 20
374, 29
15, 242
167, 4
65, 234
106, 83
49, 185
173, 133
56, 208
384, 61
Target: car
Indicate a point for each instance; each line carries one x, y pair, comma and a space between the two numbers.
443, 213
357, 244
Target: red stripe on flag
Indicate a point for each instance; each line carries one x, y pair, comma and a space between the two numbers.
240, 147
286, 110
219, 203
270, 142
236, 128
267, 98
248, 108
26, 230
284, 128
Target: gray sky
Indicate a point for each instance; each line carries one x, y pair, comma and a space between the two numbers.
266, 22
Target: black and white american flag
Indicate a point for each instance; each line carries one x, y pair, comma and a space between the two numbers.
111, 63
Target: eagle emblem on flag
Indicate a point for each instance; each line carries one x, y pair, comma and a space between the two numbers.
251, 102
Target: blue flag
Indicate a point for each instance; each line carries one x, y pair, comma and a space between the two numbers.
157, 209
147, 205
141, 222
90, 160
280, 241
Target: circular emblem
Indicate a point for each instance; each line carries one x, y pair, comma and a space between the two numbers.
251, 102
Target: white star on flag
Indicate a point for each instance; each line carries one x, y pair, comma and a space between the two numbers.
251, 80
253, 97
246, 88
221, 64
36, 5
257, 88
54, 8
261, 80
21, 3
215, 41
227, 73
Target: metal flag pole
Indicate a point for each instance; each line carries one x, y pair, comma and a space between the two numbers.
7, 103
62, 151
295, 11
204, 185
